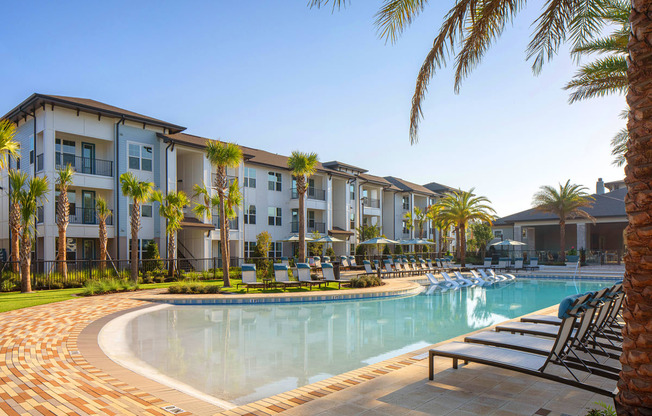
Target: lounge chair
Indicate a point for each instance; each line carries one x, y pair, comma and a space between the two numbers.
518, 264
249, 277
317, 261
329, 275
285, 261
352, 262
504, 263
523, 362
461, 278
461, 283
303, 274
487, 262
367, 267
479, 280
442, 284
534, 264
344, 262
282, 278
327, 259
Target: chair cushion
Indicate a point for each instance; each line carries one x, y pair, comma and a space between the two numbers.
248, 267
280, 267
326, 266
303, 266
565, 306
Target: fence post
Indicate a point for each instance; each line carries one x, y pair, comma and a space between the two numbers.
214, 268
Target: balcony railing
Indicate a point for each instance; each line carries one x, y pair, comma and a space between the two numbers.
313, 193
371, 203
233, 223
87, 165
85, 216
312, 227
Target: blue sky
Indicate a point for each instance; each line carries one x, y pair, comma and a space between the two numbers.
282, 77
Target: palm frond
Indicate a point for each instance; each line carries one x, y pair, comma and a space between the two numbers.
588, 20
8, 145
337, 4
395, 15
619, 147
550, 32
604, 76
303, 164
610, 44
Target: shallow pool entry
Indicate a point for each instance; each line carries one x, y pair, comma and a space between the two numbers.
244, 353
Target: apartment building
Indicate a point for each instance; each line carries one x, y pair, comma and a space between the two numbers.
101, 142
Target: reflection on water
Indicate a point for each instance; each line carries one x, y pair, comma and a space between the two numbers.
244, 353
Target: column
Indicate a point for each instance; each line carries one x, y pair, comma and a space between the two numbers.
518, 235
581, 236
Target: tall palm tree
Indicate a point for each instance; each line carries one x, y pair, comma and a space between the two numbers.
17, 180
140, 193
171, 209
475, 26
8, 144
567, 202
222, 156
30, 197
103, 213
231, 205
63, 182
460, 207
303, 166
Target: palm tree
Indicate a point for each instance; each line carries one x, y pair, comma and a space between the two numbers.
566, 203
140, 192
223, 156
29, 197
171, 209
303, 166
63, 181
460, 207
441, 224
103, 212
17, 180
8, 145
475, 26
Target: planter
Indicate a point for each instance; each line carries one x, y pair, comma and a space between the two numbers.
572, 258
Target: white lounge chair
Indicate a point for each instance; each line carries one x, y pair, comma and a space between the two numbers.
463, 279
303, 274
249, 277
442, 284
461, 283
480, 281
352, 262
282, 277
329, 275
367, 267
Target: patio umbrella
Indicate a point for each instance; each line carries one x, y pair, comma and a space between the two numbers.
294, 238
508, 242
327, 239
379, 240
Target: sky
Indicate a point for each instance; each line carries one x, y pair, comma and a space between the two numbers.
279, 76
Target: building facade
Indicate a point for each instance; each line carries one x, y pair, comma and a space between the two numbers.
101, 142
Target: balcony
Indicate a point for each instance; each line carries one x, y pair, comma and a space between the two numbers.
371, 203
233, 223
86, 165
85, 216
313, 226
313, 193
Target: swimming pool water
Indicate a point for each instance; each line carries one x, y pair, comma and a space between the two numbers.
247, 352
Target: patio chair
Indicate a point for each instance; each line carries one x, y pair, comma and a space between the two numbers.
487, 262
249, 277
479, 280
367, 267
461, 283
303, 274
329, 275
282, 278
518, 264
534, 264
460, 277
523, 362
327, 259
443, 284
344, 262
285, 261
317, 261
352, 262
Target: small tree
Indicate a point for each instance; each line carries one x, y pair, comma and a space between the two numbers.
171, 208
315, 249
482, 235
398, 249
140, 192
330, 252
386, 250
30, 197
63, 182
263, 244
103, 212
152, 253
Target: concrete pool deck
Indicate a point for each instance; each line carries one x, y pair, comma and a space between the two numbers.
50, 363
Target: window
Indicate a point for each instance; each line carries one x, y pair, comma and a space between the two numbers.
72, 206
274, 181
406, 202
31, 157
250, 177
250, 215
275, 250
142, 247
140, 157
352, 222
64, 152
273, 216
249, 249
498, 233
146, 211
352, 191
404, 224
295, 220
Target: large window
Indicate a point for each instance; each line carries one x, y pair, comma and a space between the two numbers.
352, 191
250, 177
274, 181
352, 221
145, 210
64, 152
275, 250
142, 247
274, 216
404, 225
250, 215
406, 202
140, 157
249, 249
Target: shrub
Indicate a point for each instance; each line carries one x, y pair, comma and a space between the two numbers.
605, 411
386, 250
192, 287
330, 253
398, 249
366, 281
103, 286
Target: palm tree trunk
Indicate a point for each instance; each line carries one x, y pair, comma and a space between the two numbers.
462, 245
61, 256
458, 245
15, 236
301, 190
25, 253
102, 235
562, 241
171, 250
63, 210
223, 241
135, 226
635, 385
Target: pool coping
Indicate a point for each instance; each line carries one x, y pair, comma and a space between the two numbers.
92, 352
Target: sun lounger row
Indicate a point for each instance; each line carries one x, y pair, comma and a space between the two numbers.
458, 280
282, 278
579, 341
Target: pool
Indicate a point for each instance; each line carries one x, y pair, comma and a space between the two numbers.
240, 354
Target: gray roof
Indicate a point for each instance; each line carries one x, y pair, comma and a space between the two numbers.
437, 187
611, 204
407, 186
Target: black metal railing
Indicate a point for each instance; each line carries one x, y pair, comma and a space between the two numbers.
312, 227
87, 165
86, 216
233, 223
312, 193
370, 202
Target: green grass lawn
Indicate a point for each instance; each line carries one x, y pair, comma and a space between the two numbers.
16, 300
